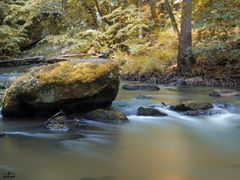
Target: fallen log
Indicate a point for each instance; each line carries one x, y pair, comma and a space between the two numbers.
28, 61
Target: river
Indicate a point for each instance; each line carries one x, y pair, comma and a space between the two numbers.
175, 147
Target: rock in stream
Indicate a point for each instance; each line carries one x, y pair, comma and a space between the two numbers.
149, 112
62, 86
106, 116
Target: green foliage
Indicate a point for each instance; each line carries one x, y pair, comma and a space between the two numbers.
10, 38
154, 56
217, 30
123, 25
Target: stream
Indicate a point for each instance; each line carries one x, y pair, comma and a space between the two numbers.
175, 147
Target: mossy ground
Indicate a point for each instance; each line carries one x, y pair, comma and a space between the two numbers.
153, 57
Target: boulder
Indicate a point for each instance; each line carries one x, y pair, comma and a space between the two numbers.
106, 115
140, 87
224, 93
191, 105
149, 112
62, 86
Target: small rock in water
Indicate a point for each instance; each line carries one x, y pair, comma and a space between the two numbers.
222, 106
58, 127
202, 112
191, 105
149, 112
99, 178
60, 117
224, 93
58, 122
143, 97
2, 134
106, 116
140, 87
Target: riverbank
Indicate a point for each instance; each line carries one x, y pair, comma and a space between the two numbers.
208, 74
204, 73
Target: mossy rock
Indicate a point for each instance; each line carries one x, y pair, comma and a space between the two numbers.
1, 97
191, 105
149, 112
106, 115
140, 87
62, 86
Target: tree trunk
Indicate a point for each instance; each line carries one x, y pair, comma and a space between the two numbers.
185, 40
171, 16
153, 11
99, 13
140, 31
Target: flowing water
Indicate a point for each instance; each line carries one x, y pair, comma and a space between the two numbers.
175, 147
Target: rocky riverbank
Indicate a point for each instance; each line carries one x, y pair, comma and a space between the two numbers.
174, 79
206, 73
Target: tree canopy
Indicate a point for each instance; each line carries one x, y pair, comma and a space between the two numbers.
132, 27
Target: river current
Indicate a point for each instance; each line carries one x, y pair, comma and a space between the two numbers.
175, 147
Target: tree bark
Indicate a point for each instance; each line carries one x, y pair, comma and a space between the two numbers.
140, 31
153, 11
185, 40
171, 16
100, 13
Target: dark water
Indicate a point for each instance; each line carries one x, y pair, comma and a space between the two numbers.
175, 147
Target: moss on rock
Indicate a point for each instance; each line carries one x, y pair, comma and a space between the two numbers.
191, 105
106, 115
64, 85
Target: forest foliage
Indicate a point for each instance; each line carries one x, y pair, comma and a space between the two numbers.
138, 33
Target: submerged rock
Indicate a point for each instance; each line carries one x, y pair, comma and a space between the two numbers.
144, 97
224, 93
58, 122
140, 87
58, 127
99, 178
106, 115
2, 134
59, 118
63, 122
202, 112
62, 86
149, 112
191, 105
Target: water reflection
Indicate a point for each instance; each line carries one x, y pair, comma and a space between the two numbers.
175, 147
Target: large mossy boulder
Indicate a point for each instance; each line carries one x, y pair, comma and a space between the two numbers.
62, 86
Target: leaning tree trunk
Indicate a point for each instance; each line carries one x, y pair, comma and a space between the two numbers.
172, 17
185, 40
153, 11
140, 30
